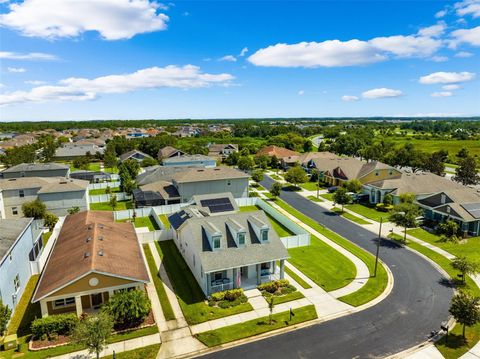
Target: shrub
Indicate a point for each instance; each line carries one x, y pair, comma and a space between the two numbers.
382, 207
270, 287
128, 307
233, 294
228, 304
277, 287
54, 325
228, 298
218, 296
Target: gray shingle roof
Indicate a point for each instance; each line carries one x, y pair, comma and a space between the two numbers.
77, 151
10, 229
208, 174
46, 184
188, 158
231, 256
28, 167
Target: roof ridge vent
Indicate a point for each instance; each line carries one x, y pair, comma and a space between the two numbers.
86, 255
89, 239
100, 252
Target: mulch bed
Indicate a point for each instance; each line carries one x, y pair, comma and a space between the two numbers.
64, 339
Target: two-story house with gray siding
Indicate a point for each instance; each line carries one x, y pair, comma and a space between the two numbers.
20, 243
57, 193
195, 181
36, 170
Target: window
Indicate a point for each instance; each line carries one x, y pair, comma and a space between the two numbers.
265, 265
241, 239
14, 211
194, 260
10, 256
217, 276
229, 183
21, 193
264, 235
377, 172
16, 283
65, 302
216, 242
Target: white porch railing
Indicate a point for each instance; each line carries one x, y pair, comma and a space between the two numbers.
221, 287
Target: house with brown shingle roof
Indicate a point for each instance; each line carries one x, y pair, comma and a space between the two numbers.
222, 150
169, 152
92, 258
276, 151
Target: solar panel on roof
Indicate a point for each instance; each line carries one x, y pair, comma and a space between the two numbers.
216, 205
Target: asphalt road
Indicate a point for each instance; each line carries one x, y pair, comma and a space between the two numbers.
417, 305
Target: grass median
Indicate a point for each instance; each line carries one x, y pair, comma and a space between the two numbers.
257, 326
374, 286
350, 216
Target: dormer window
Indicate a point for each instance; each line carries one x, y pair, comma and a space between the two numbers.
241, 239
216, 242
265, 235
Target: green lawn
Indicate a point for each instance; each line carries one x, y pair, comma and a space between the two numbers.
162, 294
94, 192
367, 211
276, 177
257, 326
324, 265
315, 199
104, 206
374, 286
455, 347
327, 196
92, 166
164, 219
297, 279
309, 186
46, 237
189, 294
350, 216
144, 222
149, 352
470, 248
281, 230
26, 311
284, 298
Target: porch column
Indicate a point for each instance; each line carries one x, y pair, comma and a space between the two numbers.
44, 308
259, 278
234, 277
78, 305
274, 267
209, 283
282, 268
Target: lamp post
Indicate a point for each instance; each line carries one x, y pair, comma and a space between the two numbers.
378, 246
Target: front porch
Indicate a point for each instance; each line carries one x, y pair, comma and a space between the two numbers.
246, 277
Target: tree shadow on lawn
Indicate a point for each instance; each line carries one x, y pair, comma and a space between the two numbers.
455, 341
292, 188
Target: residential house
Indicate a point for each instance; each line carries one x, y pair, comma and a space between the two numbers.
221, 150
158, 173
190, 161
57, 193
136, 155
70, 152
20, 243
17, 141
93, 258
278, 152
227, 249
36, 170
168, 152
306, 160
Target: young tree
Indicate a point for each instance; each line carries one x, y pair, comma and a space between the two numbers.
262, 161
93, 332
34, 209
271, 306
465, 266
342, 197
113, 202
405, 213
354, 186
465, 309
388, 199
50, 220
276, 189
296, 175
128, 308
110, 157
257, 176
467, 173
108, 190
73, 210
131, 167
5, 313
274, 162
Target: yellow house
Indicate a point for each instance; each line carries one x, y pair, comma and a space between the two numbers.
93, 257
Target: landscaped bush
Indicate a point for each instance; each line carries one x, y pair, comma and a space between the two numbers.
128, 308
228, 298
277, 287
54, 325
382, 207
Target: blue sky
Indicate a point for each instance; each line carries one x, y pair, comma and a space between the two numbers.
133, 59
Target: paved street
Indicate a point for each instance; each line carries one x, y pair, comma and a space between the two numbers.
417, 305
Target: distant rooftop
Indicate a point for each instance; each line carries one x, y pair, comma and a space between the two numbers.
29, 167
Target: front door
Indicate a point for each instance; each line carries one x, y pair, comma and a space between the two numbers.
96, 299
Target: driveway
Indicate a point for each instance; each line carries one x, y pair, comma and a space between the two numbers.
417, 305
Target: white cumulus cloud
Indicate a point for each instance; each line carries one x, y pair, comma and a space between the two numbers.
8, 55
463, 54
381, 93
228, 58
446, 77
468, 7
442, 94
451, 87
73, 88
112, 19
244, 51
16, 69
465, 36
350, 98
440, 14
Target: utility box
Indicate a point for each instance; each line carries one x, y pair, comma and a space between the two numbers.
10, 342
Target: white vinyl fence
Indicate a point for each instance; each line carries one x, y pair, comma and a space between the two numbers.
104, 185
99, 198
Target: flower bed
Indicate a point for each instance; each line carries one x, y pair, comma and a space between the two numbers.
227, 299
281, 291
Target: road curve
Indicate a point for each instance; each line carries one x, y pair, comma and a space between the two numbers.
417, 305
